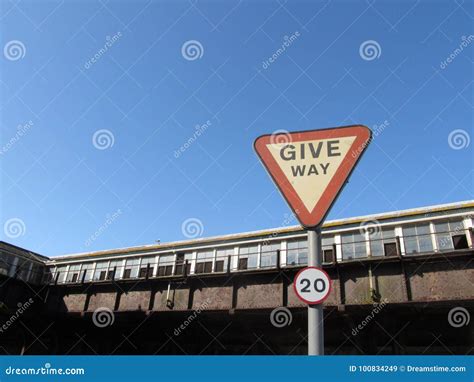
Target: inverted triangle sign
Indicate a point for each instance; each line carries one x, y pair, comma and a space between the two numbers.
310, 168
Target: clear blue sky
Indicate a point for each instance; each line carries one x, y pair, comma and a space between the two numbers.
60, 188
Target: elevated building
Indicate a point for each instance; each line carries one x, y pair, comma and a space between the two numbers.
397, 277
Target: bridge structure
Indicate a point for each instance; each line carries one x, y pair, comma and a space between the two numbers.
402, 283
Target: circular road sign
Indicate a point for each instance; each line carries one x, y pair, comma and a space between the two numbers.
312, 285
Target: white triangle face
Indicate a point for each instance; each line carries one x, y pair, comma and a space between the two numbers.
310, 165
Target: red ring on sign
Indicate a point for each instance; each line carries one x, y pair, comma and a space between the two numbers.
303, 299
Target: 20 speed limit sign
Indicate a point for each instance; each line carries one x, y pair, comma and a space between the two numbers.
312, 285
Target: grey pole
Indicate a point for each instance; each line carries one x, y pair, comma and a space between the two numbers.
315, 312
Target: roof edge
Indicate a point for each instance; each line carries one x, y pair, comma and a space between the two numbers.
295, 228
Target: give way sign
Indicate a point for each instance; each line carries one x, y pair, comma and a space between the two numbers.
310, 168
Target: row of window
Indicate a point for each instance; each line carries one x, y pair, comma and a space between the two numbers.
20, 268
415, 238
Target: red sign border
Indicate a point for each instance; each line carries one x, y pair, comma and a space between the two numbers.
303, 299
314, 218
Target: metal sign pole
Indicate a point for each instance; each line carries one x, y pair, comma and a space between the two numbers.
315, 312
286, 164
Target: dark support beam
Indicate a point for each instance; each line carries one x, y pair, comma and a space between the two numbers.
192, 290
235, 289
88, 299
147, 271
151, 303
46, 295
405, 277
118, 296
285, 284
185, 268
342, 290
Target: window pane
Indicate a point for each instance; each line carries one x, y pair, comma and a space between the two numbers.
417, 238
379, 239
347, 251
62, 274
204, 262
166, 260
115, 269
165, 265
292, 257
292, 245
22, 269
269, 254
353, 246
327, 241
444, 242
409, 231
425, 243
268, 260
5, 263
222, 258
360, 249
87, 269
388, 233
252, 261
443, 237
147, 267
411, 245
243, 250
100, 267
225, 252
36, 275
441, 227
148, 260
132, 265
303, 256
249, 253
271, 247
73, 273
205, 256
423, 229
346, 238
297, 252
456, 227
376, 247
